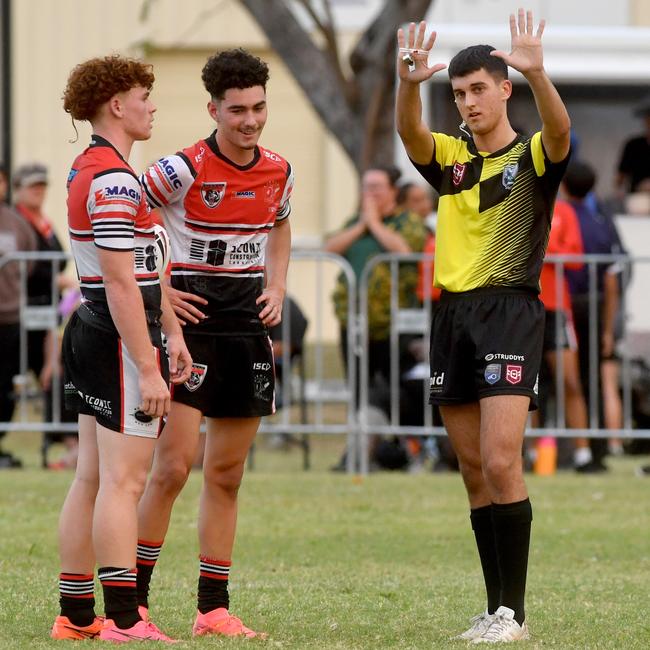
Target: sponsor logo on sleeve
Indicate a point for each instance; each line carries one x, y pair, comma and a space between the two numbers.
122, 192
492, 373
213, 193
513, 374
170, 173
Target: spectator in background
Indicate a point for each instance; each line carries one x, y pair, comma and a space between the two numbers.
15, 236
30, 187
634, 165
380, 226
416, 198
599, 236
564, 239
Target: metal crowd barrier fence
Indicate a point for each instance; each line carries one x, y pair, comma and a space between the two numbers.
316, 391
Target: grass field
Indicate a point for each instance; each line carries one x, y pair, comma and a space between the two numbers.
327, 561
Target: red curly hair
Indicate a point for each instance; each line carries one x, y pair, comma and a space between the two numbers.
94, 82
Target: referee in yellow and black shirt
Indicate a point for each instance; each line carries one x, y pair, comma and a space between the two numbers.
497, 190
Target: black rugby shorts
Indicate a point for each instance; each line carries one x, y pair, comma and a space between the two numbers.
486, 342
101, 379
232, 376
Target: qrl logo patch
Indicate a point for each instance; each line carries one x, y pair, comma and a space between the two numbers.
513, 374
492, 373
458, 173
213, 193
199, 371
509, 175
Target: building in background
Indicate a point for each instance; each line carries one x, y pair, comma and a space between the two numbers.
597, 51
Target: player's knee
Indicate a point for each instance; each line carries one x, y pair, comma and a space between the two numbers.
128, 484
472, 474
225, 478
87, 483
499, 468
170, 477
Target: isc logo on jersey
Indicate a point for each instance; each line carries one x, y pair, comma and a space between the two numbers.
271, 156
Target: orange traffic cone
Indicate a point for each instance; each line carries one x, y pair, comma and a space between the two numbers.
546, 456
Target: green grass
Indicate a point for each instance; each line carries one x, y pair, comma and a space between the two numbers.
326, 561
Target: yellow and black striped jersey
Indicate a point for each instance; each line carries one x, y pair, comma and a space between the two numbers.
494, 214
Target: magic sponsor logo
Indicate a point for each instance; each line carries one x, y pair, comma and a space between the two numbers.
497, 356
121, 191
170, 173
244, 194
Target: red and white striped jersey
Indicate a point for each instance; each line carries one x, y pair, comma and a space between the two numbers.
218, 215
107, 209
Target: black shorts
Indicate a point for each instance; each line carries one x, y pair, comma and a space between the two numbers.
101, 379
232, 376
486, 342
565, 339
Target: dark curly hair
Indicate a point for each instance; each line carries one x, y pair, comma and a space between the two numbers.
94, 82
234, 68
475, 57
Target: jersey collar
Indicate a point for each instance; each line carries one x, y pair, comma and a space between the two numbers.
98, 141
495, 154
211, 141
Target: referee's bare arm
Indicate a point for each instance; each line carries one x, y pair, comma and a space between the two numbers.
412, 65
526, 56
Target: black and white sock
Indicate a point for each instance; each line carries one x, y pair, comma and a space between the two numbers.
213, 584
77, 597
120, 595
148, 553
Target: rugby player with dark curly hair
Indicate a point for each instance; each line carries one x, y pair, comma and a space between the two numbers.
225, 203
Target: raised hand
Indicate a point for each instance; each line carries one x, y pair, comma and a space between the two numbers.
526, 48
413, 48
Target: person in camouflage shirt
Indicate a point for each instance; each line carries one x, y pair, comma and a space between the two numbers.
380, 226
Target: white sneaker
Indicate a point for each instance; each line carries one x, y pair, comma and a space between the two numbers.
503, 628
480, 624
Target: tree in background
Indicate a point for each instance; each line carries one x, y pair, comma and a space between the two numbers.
355, 100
